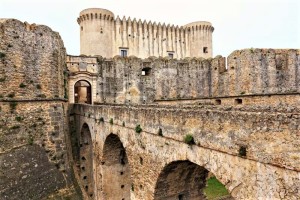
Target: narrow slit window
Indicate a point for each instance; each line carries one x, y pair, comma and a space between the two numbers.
205, 50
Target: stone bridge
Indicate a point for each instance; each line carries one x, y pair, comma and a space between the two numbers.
139, 152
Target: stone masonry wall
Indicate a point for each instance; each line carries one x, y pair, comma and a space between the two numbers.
34, 157
269, 170
248, 73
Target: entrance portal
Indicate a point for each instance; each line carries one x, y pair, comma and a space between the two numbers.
83, 92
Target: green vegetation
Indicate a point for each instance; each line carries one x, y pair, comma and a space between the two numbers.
243, 151
111, 121
101, 119
2, 55
214, 189
2, 79
138, 129
22, 85
18, 118
30, 140
189, 139
13, 105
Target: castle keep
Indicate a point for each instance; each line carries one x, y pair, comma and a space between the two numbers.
103, 34
154, 124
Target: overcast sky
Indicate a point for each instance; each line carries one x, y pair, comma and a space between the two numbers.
238, 23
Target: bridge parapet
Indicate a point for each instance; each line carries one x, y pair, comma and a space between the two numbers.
268, 137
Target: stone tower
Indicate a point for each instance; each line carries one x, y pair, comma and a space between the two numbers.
102, 34
96, 27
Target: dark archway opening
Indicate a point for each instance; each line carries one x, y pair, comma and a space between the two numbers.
116, 170
83, 92
182, 180
86, 160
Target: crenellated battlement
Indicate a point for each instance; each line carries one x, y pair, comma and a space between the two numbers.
141, 38
95, 14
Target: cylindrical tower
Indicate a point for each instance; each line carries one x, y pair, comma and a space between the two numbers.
96, 32
199, 35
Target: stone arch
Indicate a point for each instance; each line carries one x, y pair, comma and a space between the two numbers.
83, 92
115, 170
181, 180
86, 160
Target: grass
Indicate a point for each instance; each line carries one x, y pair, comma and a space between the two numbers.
214, 189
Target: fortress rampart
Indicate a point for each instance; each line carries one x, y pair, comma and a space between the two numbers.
248, 74
102, 34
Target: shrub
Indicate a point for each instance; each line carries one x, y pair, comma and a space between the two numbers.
2, 55
111, 121
242, 151
13, 105
160, 132
2, 79
18, 118
22, 85
30, 140
138, 129
189, 139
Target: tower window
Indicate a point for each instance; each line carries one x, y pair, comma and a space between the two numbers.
171, 55
123, 52
205, 50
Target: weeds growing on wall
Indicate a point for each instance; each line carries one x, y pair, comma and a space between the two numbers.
111, 121
13, 105
138, 129
189, 139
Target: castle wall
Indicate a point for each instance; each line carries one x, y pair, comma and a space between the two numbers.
249, 74
34, 157
107, 36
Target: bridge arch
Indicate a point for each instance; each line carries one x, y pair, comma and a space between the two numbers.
86, 160
115, 169
181, 180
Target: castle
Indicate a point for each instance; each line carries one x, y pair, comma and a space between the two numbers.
131, 118
103, 34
